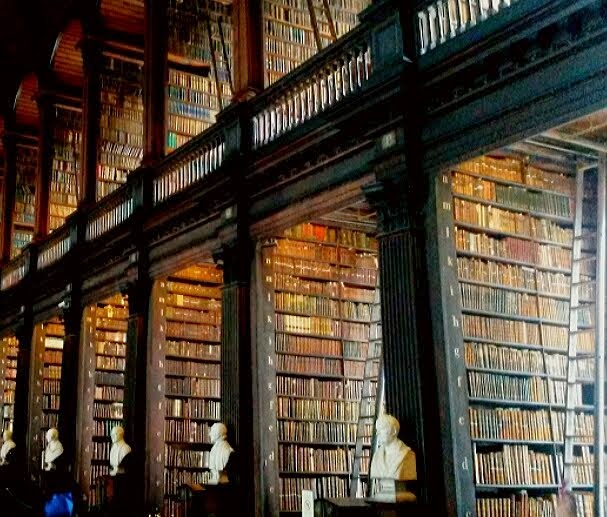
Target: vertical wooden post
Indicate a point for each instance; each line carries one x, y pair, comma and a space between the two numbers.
10, 185
43, 174
155, 80
91, 106
247, 48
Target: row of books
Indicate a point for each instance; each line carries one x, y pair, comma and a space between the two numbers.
195, 408
178, 457
63, 198
113, 410
522, 332
331, 252
348, 389
193, 369
500, 357
332, 289
51, 374
511, 248
180, 120
317, 431
104, 362
322, 326
192, 350
187, 431
303, 345
320, 410
109, 378
523, 389
101, 451
515, 170
130, 137
122, 161
193, 387
51, 386
311, 459
104, 427
519, 424
519, 505
193, 331
324, 271
204, 291
102, 336
326, 486
322, 306
50, 401
510, 275
328, 234
110, 348
113, 393
319, 366
174, 478
519, 198
210, 317
502, 220
53, 356
193, 302
21, 238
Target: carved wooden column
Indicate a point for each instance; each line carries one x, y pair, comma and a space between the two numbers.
155, 80
91, 106
247, 48
68, 422
45, 162
10, 184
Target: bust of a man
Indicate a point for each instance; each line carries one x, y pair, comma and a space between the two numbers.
7, 446
392, 462
220, 453
53, 450
119, 450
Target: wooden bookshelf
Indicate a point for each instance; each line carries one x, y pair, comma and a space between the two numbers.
512, 232
65, 173
321, 287
8, 377
105, 347
193, 100
289, 31
24, 214
120, 145
188, 310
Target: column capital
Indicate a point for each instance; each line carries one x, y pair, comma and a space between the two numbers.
393, 202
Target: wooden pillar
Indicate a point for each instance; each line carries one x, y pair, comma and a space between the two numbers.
138, 290
91, 106
10, 186
155, 80
239, 408
68, 425
247, 48
45, 163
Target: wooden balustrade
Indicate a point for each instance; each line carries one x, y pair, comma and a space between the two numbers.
54, 248
14, 271
112, 211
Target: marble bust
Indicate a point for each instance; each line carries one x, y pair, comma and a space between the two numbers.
120, 449
7, 446
220, 453
393, 463
54, 449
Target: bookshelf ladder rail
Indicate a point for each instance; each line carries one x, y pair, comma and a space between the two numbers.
579, 306
373, 373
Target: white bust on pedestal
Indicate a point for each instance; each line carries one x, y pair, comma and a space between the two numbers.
220, 453
393, 461
118, 451
7, 446
53, 450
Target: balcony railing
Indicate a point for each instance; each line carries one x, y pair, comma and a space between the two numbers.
441, 20
318, 84
14, 271
111, 211
55, 248
190, 164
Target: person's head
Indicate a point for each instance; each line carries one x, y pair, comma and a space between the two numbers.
387, 429
218, 431
7, 435
117, 434
52, 434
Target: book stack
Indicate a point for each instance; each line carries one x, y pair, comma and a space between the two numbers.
24, 214
9, 347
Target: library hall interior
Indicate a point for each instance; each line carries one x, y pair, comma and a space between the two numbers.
325, 258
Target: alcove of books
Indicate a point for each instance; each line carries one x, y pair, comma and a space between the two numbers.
187, 342
321, 321
65, 173
104, 355
525, 263
120, 146
200, 38
9, 346
24, 213
295, 30
45, 367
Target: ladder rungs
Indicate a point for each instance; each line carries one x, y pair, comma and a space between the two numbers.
583, 282
581, 260
588, 235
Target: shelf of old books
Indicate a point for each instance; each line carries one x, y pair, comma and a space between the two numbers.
24, 214
289, 38
513, 234
8, 378
120, 145
188, 318
321, 281
65, 173
193, 99
104, 350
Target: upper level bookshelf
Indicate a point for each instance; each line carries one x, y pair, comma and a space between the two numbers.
24, 214
321, 281
120, 146
205, 41
65, 173
289, 34
512, 257
188, 309
8, 378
